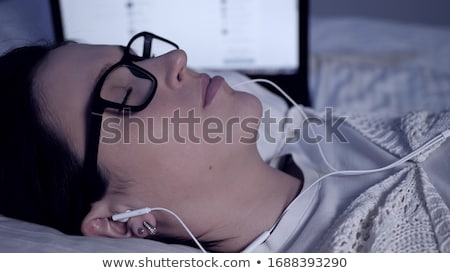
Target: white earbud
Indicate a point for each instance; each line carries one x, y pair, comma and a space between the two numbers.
124, 216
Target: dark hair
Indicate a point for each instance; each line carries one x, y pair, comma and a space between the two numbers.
41, 180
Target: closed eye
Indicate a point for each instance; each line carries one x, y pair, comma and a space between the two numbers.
125, 99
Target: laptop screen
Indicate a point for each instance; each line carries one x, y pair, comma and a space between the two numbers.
254, 36
261, 38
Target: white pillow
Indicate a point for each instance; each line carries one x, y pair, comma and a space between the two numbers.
20, 236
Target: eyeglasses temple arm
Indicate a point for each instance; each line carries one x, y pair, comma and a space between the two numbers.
147, 47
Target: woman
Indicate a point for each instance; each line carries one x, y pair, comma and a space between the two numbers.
211, 183
102, 130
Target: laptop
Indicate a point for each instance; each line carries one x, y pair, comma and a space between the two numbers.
260, 38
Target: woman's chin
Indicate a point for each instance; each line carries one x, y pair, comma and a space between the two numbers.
248, 104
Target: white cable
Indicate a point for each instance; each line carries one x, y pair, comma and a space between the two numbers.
184, 226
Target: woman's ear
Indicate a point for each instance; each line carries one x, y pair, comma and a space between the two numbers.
98, 222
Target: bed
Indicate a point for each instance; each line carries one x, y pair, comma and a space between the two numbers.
372, 66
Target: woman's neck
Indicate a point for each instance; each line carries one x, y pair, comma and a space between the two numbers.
264, 194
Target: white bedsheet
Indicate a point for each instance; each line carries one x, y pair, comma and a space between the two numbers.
379, 67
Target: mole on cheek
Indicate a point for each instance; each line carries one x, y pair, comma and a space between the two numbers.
210, 167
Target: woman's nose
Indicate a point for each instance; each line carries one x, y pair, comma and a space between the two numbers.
169, 68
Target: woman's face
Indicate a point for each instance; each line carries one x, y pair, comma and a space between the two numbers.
181, 152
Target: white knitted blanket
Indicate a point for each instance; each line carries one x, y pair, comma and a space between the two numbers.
404, 212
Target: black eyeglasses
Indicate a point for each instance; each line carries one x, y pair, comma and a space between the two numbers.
125, 86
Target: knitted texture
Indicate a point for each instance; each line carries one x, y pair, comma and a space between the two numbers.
404, 212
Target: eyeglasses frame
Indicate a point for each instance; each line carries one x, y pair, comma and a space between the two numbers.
99, 105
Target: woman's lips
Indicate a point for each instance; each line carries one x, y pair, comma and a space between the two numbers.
212, 89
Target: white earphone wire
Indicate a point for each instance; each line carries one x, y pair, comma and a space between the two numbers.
184, 226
